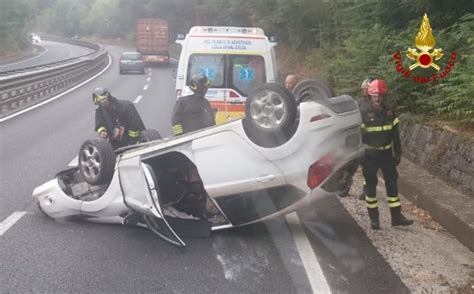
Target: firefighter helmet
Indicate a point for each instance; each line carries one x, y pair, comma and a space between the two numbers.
100, 95
199, 84
366, 82
377, 87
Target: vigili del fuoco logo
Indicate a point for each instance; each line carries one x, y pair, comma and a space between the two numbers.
425, 58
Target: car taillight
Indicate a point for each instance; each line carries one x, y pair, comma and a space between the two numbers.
320, 170
319, 117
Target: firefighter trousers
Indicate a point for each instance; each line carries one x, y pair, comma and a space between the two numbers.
383, 160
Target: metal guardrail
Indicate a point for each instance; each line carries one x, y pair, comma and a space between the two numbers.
20, 89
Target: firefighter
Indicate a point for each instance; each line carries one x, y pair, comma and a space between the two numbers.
193, 112
363, 103
116, 120
380, 134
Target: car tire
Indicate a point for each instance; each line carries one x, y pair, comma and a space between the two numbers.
312, 90
96, 161
149, 135
270, 114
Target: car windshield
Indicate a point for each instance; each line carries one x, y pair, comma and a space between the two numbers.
132, 56
238, 72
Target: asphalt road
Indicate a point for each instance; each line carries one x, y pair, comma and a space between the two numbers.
45, 52
38, 254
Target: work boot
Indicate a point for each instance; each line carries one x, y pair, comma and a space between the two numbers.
374, 218
398, 219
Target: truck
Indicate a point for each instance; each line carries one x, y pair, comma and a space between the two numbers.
153, 41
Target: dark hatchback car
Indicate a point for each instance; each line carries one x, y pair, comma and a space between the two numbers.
131, 61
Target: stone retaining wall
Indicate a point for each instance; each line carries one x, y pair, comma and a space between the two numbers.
441, 152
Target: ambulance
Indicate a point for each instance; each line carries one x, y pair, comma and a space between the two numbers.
234, 59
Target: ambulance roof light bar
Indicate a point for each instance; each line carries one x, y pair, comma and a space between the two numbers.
226, 30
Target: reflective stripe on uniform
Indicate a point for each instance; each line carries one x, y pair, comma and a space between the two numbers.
178, 129
371, 202
133, 134
101, 129
386, 147
393, 201
379, 128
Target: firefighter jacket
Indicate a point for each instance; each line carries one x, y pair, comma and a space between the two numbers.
122, 114
380, 129
192, 113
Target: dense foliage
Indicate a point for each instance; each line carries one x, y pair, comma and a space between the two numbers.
340, 41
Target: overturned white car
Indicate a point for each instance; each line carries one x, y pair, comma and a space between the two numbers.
280, 157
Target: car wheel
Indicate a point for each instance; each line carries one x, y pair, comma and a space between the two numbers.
149, 135
97, 161
270, 112
311, 90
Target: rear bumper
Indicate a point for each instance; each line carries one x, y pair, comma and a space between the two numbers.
132, 67
160, 59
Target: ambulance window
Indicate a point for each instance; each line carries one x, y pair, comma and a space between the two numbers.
210, 65
248, 71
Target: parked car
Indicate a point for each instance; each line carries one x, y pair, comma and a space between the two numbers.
131, 61
280, 157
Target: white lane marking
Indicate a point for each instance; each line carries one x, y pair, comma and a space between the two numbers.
316, 277
145, 87
57, 96
148, 79
74, 162
149, 72
10, 221
28, 59
139, 97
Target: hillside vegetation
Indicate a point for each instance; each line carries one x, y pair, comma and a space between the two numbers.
341, 42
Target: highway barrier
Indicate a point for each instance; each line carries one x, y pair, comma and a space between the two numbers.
22, 88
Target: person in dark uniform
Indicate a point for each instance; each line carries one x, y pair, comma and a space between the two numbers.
380, 134
193, 112
116, 120
364, 102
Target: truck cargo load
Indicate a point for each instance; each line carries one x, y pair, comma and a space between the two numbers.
153, 40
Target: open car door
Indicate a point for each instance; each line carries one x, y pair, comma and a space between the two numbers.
141, 194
